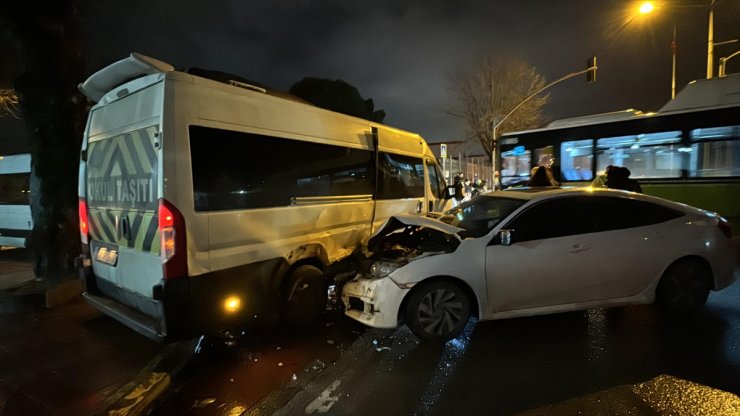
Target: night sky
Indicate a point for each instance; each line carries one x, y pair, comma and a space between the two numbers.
403, 54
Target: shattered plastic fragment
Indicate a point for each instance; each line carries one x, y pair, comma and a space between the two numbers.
294, 377
280, 364
330, 341
199, 404
278, 348
379, 349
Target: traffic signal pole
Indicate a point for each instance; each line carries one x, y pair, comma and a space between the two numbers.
590, 72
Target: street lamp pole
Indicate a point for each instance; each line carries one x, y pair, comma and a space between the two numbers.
673, 78
710, 42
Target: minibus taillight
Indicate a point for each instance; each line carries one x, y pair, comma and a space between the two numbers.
84, 230
172, 240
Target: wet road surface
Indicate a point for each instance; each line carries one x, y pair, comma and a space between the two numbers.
502, 367
230, 375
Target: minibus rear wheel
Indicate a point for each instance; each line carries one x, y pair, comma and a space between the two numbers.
304, 297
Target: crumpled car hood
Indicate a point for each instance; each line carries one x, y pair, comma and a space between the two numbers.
407, 236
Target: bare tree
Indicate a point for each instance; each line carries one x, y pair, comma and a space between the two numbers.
8, 103
492, 90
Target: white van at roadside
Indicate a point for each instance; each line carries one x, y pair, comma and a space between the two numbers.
15, 209
206, 204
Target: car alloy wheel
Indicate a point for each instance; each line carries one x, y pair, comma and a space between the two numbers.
684, 286
438, 311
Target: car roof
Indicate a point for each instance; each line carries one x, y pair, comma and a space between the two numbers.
543, 193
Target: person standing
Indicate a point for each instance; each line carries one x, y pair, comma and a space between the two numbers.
542, 176
618, 177
459, 190
600, 180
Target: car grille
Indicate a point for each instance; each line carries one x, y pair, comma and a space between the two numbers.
356, 304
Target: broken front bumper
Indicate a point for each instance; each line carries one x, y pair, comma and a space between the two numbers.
374, 302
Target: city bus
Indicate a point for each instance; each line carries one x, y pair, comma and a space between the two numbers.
688, 151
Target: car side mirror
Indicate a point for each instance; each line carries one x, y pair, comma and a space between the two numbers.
503, 237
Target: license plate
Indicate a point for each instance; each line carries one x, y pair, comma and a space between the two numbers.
107, 256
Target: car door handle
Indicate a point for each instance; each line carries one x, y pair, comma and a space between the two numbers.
419, 207
577, 248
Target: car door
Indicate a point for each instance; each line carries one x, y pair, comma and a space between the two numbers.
636, 242
554, 258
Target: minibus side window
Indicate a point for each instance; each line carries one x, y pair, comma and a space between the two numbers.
400, 176
238, 170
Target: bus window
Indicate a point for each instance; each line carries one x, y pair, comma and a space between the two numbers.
515, 166
715, 155
650, 155
545, 156
14, 189
576, 158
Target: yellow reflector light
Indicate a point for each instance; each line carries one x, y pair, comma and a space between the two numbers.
232, 304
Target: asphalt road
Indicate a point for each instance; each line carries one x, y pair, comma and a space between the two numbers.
615, 358
631, 360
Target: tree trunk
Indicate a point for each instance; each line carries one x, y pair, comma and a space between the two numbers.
53, 111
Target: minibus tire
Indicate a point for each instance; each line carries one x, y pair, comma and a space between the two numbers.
304, 297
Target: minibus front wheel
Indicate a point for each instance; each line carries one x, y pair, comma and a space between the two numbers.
304, 296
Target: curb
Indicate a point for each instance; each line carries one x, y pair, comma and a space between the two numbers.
39, 294
152, 382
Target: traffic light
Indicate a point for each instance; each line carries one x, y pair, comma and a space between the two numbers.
591, 67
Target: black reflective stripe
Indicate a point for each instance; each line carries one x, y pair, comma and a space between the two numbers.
130, 145
135, 225
107, 234
151, 232
151, 154
111, 217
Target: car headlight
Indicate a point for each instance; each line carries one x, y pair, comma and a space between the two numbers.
382, 269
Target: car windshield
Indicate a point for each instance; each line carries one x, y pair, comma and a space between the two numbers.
479, 215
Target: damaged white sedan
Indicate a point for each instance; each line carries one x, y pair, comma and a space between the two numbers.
521, 253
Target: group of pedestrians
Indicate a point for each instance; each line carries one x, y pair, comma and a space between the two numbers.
614, 177
464, 188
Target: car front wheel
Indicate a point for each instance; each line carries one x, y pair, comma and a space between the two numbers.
684, 287
438, 311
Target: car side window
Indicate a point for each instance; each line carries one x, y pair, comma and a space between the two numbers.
620, 213
554, 218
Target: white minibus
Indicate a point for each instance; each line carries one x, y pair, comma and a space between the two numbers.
15, 210
207, 204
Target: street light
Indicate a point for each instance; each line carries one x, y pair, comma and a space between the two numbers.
648, 7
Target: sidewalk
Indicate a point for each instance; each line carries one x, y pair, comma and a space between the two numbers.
58, 355
17, 282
